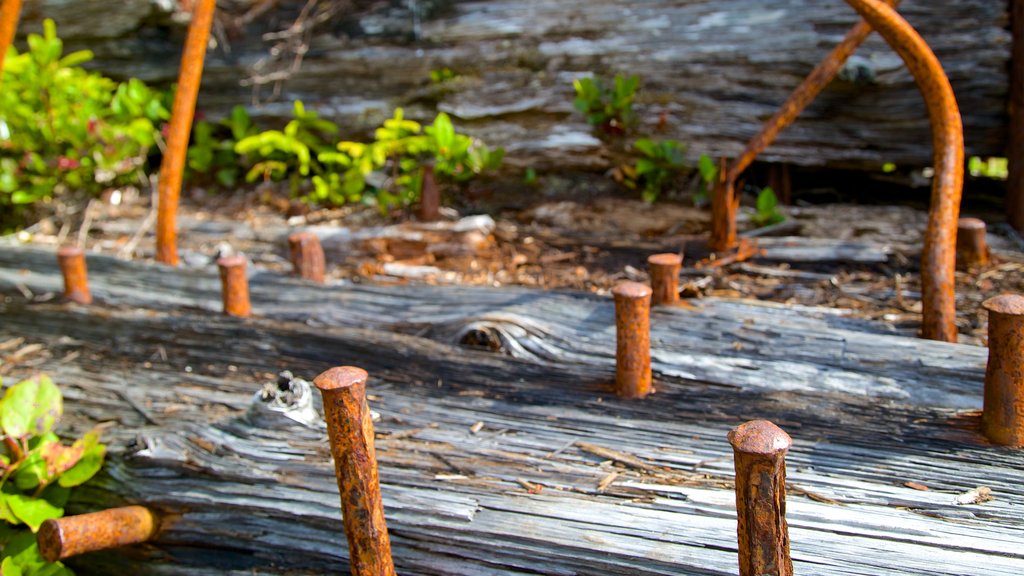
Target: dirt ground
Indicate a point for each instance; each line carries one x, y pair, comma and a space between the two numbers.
568, 241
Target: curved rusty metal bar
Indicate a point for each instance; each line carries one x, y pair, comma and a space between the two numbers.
725, 201
938, 262
9, 11
180, 128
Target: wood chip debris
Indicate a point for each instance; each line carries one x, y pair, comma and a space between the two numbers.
979, 495
916, 486
620, 457
531, 487
607, 481
476, 427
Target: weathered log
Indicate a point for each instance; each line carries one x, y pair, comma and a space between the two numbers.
716, 69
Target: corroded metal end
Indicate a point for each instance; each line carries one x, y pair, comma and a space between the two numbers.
664, 277
1002, 419
341, 377
971, 243
759, 437
430, 197
632, 340
234, 286
62, 538
762, 533
350, 430
76, 278
307, 256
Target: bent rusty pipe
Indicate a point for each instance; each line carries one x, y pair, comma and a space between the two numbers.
938, 262
182, 113
9, 10
725, 202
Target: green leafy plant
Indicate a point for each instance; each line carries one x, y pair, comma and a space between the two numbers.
607, 105
767, 211
211, 155
708, 177
659, 163
994, 167
65, 129
442, 75
38, 471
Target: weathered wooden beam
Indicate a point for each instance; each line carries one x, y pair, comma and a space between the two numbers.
1015, 149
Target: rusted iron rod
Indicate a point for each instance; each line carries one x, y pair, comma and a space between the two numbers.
632, 340
723, 230
76, 277
182, 113
62, 538
938, 262
9, 11
350, 429
971, 243
664, 269
430, 196
234, 286
1015, 152
760, 450
307, 256
1002, 419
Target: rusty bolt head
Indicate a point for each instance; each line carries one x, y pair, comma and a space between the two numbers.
1009, 304
759, 437
340, 377
631, 291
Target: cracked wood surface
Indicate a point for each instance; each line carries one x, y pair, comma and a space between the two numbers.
247, 491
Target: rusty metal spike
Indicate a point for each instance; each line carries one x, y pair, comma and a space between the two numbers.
234, 286
76, 277
307, 256
1002, 419
664, 269
62, 538
632, 339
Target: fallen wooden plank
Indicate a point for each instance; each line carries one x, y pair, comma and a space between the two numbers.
800, 249
253, 492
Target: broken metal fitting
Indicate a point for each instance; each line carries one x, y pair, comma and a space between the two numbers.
60, 538
234, 286
664, 270
350, 429
760, 458
971, 244
1002, 419
430, 197
179, 129
9, 10
307, 255
632, 340
725, 203
76, 278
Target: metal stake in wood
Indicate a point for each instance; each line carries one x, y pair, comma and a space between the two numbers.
1002, 420
307, 256
664, 269
632, 340
62, 538
9, 11
760, 457
350, 428
971, 243
430, 197
76, 277
938, 262
182, 113
234, 286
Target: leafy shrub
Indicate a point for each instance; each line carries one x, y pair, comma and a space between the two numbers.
63, 128
659, 162
212, 151
708, 171
767, 211
38, 472
607, 106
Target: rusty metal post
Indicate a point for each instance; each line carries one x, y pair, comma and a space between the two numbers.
664, 269
430, 196
307, 256
723, 219
1002, 420
9, 11
760, 457
632, 339
76, 277
938, 262
62, 538
173, 164
234, 286
1015, 151
971, 243
350, 428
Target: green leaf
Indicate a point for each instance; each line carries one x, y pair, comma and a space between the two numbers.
766, 201
31, 407
646, 147
10, 568
32, 511
76, 58
5, 510
707, 168
88, 465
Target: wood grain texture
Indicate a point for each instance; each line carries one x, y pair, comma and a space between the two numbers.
248, 491
717, 69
